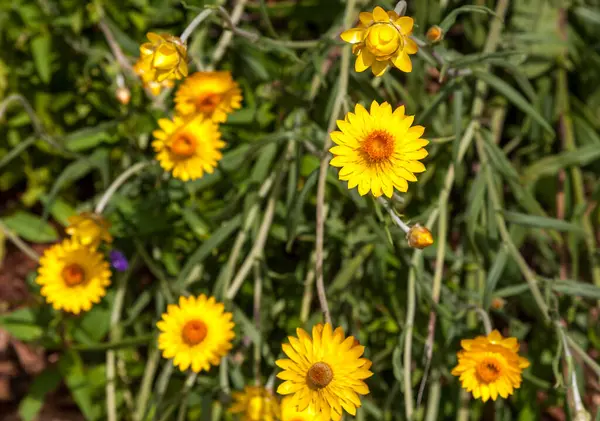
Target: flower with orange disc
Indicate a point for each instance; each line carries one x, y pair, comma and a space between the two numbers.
214, 94
188, 147
197, 333
490, 366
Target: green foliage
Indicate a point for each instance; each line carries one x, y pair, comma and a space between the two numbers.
516, 124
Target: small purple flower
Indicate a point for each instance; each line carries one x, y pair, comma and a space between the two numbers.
118, 260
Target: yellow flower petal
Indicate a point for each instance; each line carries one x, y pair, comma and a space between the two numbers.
380, 15
353, 35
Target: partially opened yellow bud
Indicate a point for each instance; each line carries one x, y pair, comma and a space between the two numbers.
165, 55
419, 237
147, 75
434, 34
89, 229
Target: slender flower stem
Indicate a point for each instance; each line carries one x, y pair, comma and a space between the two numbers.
191, 380
227, 36
261, 238
257, 324
194, 24
20, 244
393, 215
337, 105
146, 386
577, 402
485, 319
112, 189
115, 47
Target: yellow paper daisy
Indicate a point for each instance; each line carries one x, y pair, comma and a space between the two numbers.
382, 39
289, 411
255, 403
324, 373
73, 276
490, 366
165, 56
188, 147
89, 229
214, 94
378, 151
197, 333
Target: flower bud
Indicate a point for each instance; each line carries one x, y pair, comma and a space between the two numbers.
434, 34
123, 95
165, 55
419, 237
498, 303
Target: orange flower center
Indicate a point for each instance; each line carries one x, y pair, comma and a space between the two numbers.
319, 375
183, 146
73, 275
378, 145
194, 332
488, 370
207, 103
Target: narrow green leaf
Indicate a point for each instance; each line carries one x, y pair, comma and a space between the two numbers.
40, 50
22, 324
577, 289
494, 276
513, 96
71, 368
215, 240
31, 227
482, 58
449, 20
551, 165
540, 222
349, 269
438, 99
299, 200
43, 384
89, 137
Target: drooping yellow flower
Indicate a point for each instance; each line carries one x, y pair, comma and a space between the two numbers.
89, 229
289, 411
145, 73
255, 403
378, 150
73, 276
382, 39
490, 366
197, 333
188, 147
214, 94
165, 56
324, 373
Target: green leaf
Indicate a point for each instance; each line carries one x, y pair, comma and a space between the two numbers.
513, 96
540, 222
493, 277
22, 324
551, 165
215, 240
71, 368
40, 49
31, 227
577, 289
450, 19
43, 384
349, 269
298, 203
89, 137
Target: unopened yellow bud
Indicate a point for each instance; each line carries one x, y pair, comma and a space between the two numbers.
123, 95
434, 34
419, 237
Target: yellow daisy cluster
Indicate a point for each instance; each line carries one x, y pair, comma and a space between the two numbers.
188, 145
73, 274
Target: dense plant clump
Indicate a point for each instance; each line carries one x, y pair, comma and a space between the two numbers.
207, 178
